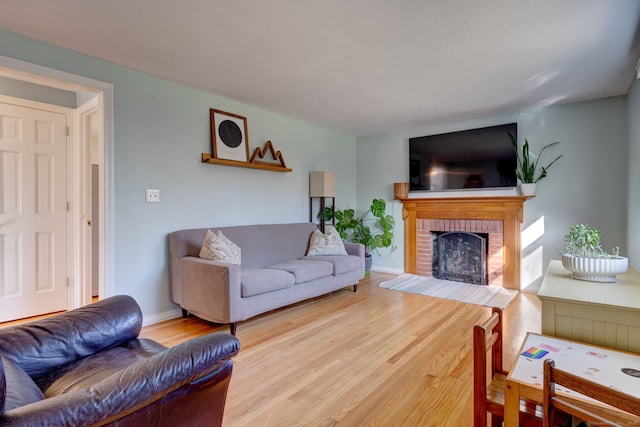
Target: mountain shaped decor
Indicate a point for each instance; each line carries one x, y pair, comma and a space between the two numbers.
278, 164
275, 155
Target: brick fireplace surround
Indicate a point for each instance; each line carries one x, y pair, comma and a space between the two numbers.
499, 217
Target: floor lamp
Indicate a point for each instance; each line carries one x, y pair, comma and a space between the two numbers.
322, 185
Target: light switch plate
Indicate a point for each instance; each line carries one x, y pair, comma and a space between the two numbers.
153, 196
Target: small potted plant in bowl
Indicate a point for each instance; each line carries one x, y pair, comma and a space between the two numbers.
527, 170
587, 260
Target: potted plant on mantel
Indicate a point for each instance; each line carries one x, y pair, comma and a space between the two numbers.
358, 229
527, 169
587, 260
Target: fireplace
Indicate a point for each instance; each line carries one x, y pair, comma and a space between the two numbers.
486, 233
499, 217
459, 256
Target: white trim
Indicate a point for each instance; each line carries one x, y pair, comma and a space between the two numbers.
161, 317
109, 214
388, 270
83, 186
21, 70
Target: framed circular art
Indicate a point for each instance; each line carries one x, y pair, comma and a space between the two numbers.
229, 138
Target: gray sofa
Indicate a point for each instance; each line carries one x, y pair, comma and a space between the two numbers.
274, 271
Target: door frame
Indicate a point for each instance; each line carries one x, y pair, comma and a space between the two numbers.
86, 217
33, 73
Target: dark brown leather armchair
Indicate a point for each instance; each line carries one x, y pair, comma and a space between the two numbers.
88, 367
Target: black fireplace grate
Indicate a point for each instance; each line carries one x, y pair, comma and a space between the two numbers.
460, 256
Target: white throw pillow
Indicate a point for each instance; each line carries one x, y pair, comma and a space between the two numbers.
219, 248
326, 244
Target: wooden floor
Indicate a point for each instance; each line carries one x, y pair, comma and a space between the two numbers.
377, 357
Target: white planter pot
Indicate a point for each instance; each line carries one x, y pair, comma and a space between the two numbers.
527, 189
595, 269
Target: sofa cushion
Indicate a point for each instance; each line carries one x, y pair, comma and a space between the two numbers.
256, 281
217, 247
20, 388
341, 263
306, 270
326, 244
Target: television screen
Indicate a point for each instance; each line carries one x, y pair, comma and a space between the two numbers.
468, 159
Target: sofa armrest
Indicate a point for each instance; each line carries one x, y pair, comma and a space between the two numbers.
211, 289
133, 388
356, 249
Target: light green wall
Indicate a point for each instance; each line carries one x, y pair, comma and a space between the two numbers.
161, 129
34, 92
634, 176
588, 185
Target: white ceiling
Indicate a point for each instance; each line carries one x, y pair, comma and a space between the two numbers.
358, 66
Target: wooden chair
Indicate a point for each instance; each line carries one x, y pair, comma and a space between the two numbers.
489, 376
585, 411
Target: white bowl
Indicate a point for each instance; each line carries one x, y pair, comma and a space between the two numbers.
595, 269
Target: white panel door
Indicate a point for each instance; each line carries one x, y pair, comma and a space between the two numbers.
33, 212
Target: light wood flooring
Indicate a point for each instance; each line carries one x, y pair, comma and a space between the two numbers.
377, 357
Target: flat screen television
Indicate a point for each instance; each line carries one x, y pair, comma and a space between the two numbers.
468, 159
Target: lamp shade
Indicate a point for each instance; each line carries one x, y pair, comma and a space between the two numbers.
322, 184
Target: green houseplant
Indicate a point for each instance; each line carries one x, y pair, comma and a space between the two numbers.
584, 256
527, 170
373, 228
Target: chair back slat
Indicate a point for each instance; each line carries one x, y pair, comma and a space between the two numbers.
582, 413
553, 402
492, 321
596, 391
487, 339
491, 340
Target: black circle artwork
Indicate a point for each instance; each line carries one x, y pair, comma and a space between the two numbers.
230, 133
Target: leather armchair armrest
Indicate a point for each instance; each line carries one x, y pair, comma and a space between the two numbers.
131, 389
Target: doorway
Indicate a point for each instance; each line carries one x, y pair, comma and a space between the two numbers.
90, 190
34, 217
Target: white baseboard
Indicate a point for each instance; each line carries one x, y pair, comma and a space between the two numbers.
161, 317
388, 270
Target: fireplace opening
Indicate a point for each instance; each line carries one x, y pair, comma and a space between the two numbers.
460, 256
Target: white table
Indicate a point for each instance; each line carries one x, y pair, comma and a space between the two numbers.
601, 365
606, 314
